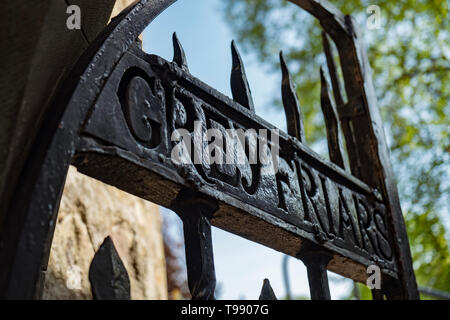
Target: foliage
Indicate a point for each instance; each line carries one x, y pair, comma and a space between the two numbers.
409, 56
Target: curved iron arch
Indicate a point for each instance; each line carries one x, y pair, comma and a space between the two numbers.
28, 229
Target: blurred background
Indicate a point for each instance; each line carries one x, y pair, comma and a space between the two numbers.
409, 51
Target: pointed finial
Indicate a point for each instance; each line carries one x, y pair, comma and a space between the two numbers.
178, 53
294, 118
267, 291
331, 122
332, 69
107, 274
239, 84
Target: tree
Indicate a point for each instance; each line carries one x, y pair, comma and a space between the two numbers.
409, 55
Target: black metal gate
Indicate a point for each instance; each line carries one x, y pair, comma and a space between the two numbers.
118, 119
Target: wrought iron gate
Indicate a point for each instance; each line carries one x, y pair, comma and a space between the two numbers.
114, 120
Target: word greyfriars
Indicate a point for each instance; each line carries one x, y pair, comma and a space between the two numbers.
241, 147
282, 174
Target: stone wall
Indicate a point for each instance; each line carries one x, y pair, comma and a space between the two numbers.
91, 210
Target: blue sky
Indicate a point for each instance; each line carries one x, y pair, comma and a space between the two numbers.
241, 265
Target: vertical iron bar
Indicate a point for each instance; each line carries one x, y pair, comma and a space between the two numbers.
196, 213
318, 281
349, 138
199, 257
316, 260
377, 294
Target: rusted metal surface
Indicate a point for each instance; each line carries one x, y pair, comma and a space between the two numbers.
115, 120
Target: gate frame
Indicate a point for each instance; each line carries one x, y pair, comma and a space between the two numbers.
27, 231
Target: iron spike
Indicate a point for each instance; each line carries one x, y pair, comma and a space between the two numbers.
267, 291
331, 122
294, 118
239, 84
332, 70
107, 274
178, 53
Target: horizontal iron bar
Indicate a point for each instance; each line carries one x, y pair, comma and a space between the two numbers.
232, 108
147, 98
